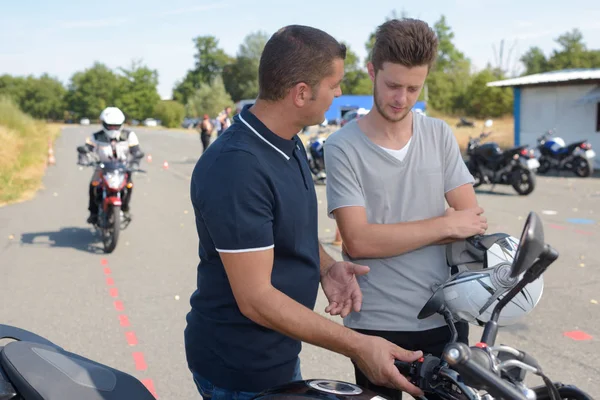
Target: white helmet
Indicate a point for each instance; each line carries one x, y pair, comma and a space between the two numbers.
481, 276
112, 120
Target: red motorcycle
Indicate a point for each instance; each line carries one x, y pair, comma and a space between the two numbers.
112, 185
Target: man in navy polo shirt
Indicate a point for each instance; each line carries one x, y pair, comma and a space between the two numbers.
260, 258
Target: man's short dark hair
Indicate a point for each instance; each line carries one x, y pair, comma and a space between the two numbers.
408, 42
296, 54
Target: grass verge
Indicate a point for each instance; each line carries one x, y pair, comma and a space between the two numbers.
23, 152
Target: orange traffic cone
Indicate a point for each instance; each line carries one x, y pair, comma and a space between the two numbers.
166, 165
51, 158
149, 158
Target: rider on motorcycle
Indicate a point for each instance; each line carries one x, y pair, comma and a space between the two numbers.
101, 143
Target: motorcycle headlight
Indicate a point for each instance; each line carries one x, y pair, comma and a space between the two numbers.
114, 180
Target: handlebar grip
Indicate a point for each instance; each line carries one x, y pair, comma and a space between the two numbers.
404, 367
458, 355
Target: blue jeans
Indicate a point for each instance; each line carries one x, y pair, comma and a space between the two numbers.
212, 392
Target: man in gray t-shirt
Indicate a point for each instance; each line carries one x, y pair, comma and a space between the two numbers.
389, 176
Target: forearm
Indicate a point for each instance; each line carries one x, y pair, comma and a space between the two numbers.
388, 240
278, 312
325, 260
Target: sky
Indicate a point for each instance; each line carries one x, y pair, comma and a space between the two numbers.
61, 37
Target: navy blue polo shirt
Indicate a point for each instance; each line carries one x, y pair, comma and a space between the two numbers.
251, 190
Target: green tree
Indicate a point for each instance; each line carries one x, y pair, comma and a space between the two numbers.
41, 97
572, 53
93, 90
44, 98
482, 101
356, 79
170, 113
209, 99
241, 76
450, 76
139, 95
210, 61
13, 87
535, 61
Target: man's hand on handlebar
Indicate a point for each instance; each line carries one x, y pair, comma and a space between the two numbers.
375, 356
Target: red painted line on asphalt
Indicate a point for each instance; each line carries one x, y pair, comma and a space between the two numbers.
140, 363
559, 227
150, 386
138, 357
131, 338
587, 233
578, 335
123, 320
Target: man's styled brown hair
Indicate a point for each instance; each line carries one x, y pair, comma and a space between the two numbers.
409, 42
296, 54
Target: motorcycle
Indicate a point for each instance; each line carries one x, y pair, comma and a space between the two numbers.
315, 151
32, 367
465, 122
490, 164
112, 186
555, 154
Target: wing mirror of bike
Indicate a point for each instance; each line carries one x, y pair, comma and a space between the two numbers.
532, 258
437, 304
531, 245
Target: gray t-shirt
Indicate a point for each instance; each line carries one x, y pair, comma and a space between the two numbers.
360, 173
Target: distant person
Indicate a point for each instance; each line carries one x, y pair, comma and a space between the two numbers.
261, 262
224, 119
206, 129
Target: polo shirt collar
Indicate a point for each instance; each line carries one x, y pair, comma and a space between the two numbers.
282, 146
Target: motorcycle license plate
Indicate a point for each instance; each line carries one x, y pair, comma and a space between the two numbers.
532, 163
590, 154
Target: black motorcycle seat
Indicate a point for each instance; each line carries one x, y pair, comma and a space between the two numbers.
42, 372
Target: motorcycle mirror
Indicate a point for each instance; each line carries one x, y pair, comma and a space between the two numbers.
531, 245
435, 304
489, 123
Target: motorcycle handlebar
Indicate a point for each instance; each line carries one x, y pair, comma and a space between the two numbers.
459, 357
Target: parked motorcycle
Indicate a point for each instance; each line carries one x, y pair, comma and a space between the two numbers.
490, 164
555, 154
113, 184
465, 122
315, 150
33, 368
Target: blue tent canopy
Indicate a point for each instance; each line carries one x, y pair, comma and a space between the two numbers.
344, 103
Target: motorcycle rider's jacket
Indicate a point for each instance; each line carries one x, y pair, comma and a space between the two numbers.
127, 143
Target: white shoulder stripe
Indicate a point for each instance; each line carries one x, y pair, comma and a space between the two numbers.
260, 136
245, 250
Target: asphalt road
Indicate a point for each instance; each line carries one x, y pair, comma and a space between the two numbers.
127, 309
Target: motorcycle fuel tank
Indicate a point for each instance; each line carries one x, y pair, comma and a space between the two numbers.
488, 150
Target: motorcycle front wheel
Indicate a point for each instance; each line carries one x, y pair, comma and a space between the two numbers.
523, 181
111, 229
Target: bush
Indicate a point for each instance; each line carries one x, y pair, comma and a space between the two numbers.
170, 112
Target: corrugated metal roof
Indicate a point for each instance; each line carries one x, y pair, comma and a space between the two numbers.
565, 75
